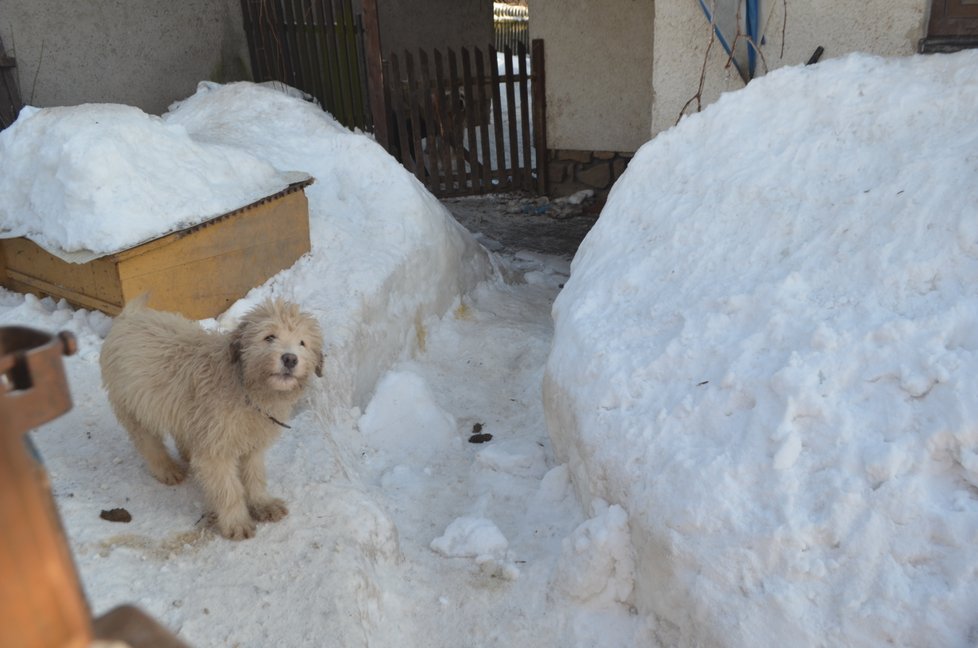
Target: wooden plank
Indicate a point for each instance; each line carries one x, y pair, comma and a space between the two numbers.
375, 72
320, 45
445, 111
234, 253
25, 259
332, 59
430, 121
412, 97
525, 135
352, 89
293, 72
399, 114
251, 34
483, 100
502, 177
458, 123
514, 156
539, 91
306, 58
472, 110
42, 597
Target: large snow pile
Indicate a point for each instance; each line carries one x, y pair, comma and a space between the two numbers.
767, 354
100, 178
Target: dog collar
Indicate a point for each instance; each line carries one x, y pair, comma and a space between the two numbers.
266, 414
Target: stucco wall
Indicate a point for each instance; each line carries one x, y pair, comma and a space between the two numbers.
620, 71
408, 24
144, 53
599, 71
884, 27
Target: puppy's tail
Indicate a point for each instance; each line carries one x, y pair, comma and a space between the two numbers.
136, 303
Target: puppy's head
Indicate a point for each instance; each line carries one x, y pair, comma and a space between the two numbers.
278, 346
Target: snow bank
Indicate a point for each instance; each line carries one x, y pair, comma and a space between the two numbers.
386, 255
767, 354
100, 178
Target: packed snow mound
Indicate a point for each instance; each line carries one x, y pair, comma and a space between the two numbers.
767, 354
386, 254
100, 178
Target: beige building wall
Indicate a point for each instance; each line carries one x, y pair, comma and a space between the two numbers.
144, 53
599, 71
620, 71
883, 27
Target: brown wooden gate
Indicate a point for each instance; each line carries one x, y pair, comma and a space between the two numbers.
321, 47
464, 123
470, 123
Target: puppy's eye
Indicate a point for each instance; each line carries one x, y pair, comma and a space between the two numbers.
302, 343
270, 338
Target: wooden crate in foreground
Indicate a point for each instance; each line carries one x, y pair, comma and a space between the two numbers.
198, 272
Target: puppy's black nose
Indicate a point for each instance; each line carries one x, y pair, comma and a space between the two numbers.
289, 360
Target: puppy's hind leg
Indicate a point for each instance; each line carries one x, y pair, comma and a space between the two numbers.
225, 494
262, 507
150, 446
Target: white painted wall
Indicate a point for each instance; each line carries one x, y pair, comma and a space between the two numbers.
145, 53
599, 71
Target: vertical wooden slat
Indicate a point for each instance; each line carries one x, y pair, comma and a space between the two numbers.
399, 114
483, 96
311, 66
458, 122
497, 118
375, 72
429, 102
349, 31
412, 97
472, 110
343, 65
445, 112
525, 137
539, 91
514, 156
332, 61
250, 29
296, 73
283, 42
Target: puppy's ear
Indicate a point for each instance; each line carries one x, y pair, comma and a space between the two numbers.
319, 365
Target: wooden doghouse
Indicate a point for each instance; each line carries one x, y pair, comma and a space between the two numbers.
198, 272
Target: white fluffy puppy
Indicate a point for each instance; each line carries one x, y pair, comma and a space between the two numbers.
222, 397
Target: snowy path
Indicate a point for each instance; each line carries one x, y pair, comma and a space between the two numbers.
504, 499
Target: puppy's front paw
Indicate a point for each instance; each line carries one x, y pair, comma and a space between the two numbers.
170, 474
237, 530
271, 511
